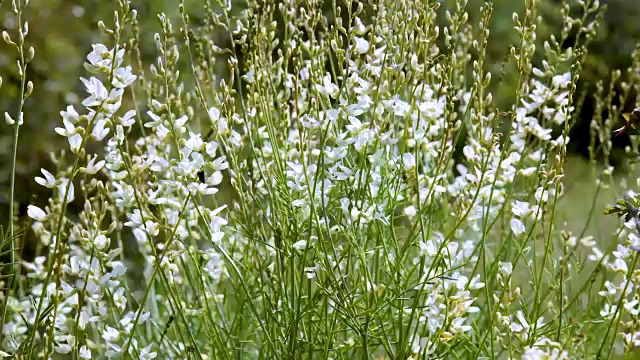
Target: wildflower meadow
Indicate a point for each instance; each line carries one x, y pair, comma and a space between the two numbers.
334, 180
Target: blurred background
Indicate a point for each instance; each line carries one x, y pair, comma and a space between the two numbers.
62, 31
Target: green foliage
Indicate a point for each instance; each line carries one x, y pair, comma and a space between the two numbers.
280, 180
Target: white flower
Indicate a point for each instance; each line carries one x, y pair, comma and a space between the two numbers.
355, 109
619, 265
194, 143
410, 211
8, 119
70, 131
520, 208
533, 353
97, 92
161, 131
100, 56
611, 289
92, 166
597, 254
250, 76
214, 114
506, 268
220, 163
181, 121
99, 131
36, 213
521, 325
113, 102
362, 45
101, 242
210, 148
561, 81
215, 265
75, 141
114, 350
215, 178
217, 236
71, 115
517, 226
634, 242
62, 190
630, 306
310, 271
156, 119
85, 353
110, 334
399, 107
428, 248
123, 77
527, 171
119, 136
128, 120
140, 236
309, 122
48, 181
457, 325
62, 348
327, 87
147, 354
540, 132
332, 115
300, 245
608, 310
409, 161
542, 195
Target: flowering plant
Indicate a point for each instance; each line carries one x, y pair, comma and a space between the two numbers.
346, 188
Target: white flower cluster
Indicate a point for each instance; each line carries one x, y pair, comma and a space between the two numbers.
620, 299
91, 275
368, 199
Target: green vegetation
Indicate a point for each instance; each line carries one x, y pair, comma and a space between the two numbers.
376, 179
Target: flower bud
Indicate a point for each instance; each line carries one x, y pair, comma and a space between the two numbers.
31, 53
29, 89
7, 38
8, 119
